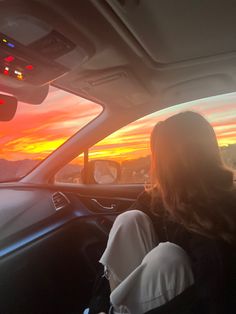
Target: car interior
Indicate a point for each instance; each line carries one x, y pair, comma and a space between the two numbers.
133, 58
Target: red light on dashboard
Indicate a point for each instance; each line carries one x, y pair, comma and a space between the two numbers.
2, 102
29, 67
9, 59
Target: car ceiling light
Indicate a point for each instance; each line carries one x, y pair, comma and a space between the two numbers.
19, 77
11, 45
6, 71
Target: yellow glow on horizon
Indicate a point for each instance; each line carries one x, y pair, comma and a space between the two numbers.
226, 141
30, 146
118, 154
37, 131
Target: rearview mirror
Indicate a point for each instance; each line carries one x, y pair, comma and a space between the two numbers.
8, 106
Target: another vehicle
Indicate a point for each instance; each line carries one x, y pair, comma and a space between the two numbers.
92, 78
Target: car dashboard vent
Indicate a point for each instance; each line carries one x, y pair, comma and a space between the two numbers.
60, 201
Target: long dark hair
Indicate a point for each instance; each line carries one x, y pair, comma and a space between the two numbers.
189, 178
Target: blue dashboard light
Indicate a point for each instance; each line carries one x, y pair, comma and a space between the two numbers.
11, 45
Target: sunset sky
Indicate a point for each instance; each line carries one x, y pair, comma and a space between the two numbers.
38, 130
132, 141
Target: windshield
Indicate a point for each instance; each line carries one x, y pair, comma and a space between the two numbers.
37, 130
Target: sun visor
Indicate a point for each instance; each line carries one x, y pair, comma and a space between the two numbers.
34, 95
8, 106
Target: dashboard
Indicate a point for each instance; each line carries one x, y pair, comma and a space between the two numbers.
50, 244
30, 212
27, 214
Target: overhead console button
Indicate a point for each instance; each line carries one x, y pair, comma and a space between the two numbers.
53, 45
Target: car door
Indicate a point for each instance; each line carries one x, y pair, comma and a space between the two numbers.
50, 266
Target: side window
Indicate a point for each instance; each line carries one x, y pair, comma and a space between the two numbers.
229, 156
129, 147
72, 172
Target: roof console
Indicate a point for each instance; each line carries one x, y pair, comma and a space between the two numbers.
35, 62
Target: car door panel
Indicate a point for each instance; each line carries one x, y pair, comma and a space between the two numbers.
50, 266
54, 273
106, 198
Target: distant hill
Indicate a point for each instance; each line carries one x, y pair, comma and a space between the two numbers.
229, 155
133, 171
71, 173
15, 169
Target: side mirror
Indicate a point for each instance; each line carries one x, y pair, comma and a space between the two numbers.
8, 106
106, 171
102, 172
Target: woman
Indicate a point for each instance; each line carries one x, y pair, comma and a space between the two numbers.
180, 232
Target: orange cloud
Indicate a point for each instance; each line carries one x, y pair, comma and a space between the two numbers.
38, 130
133, 140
